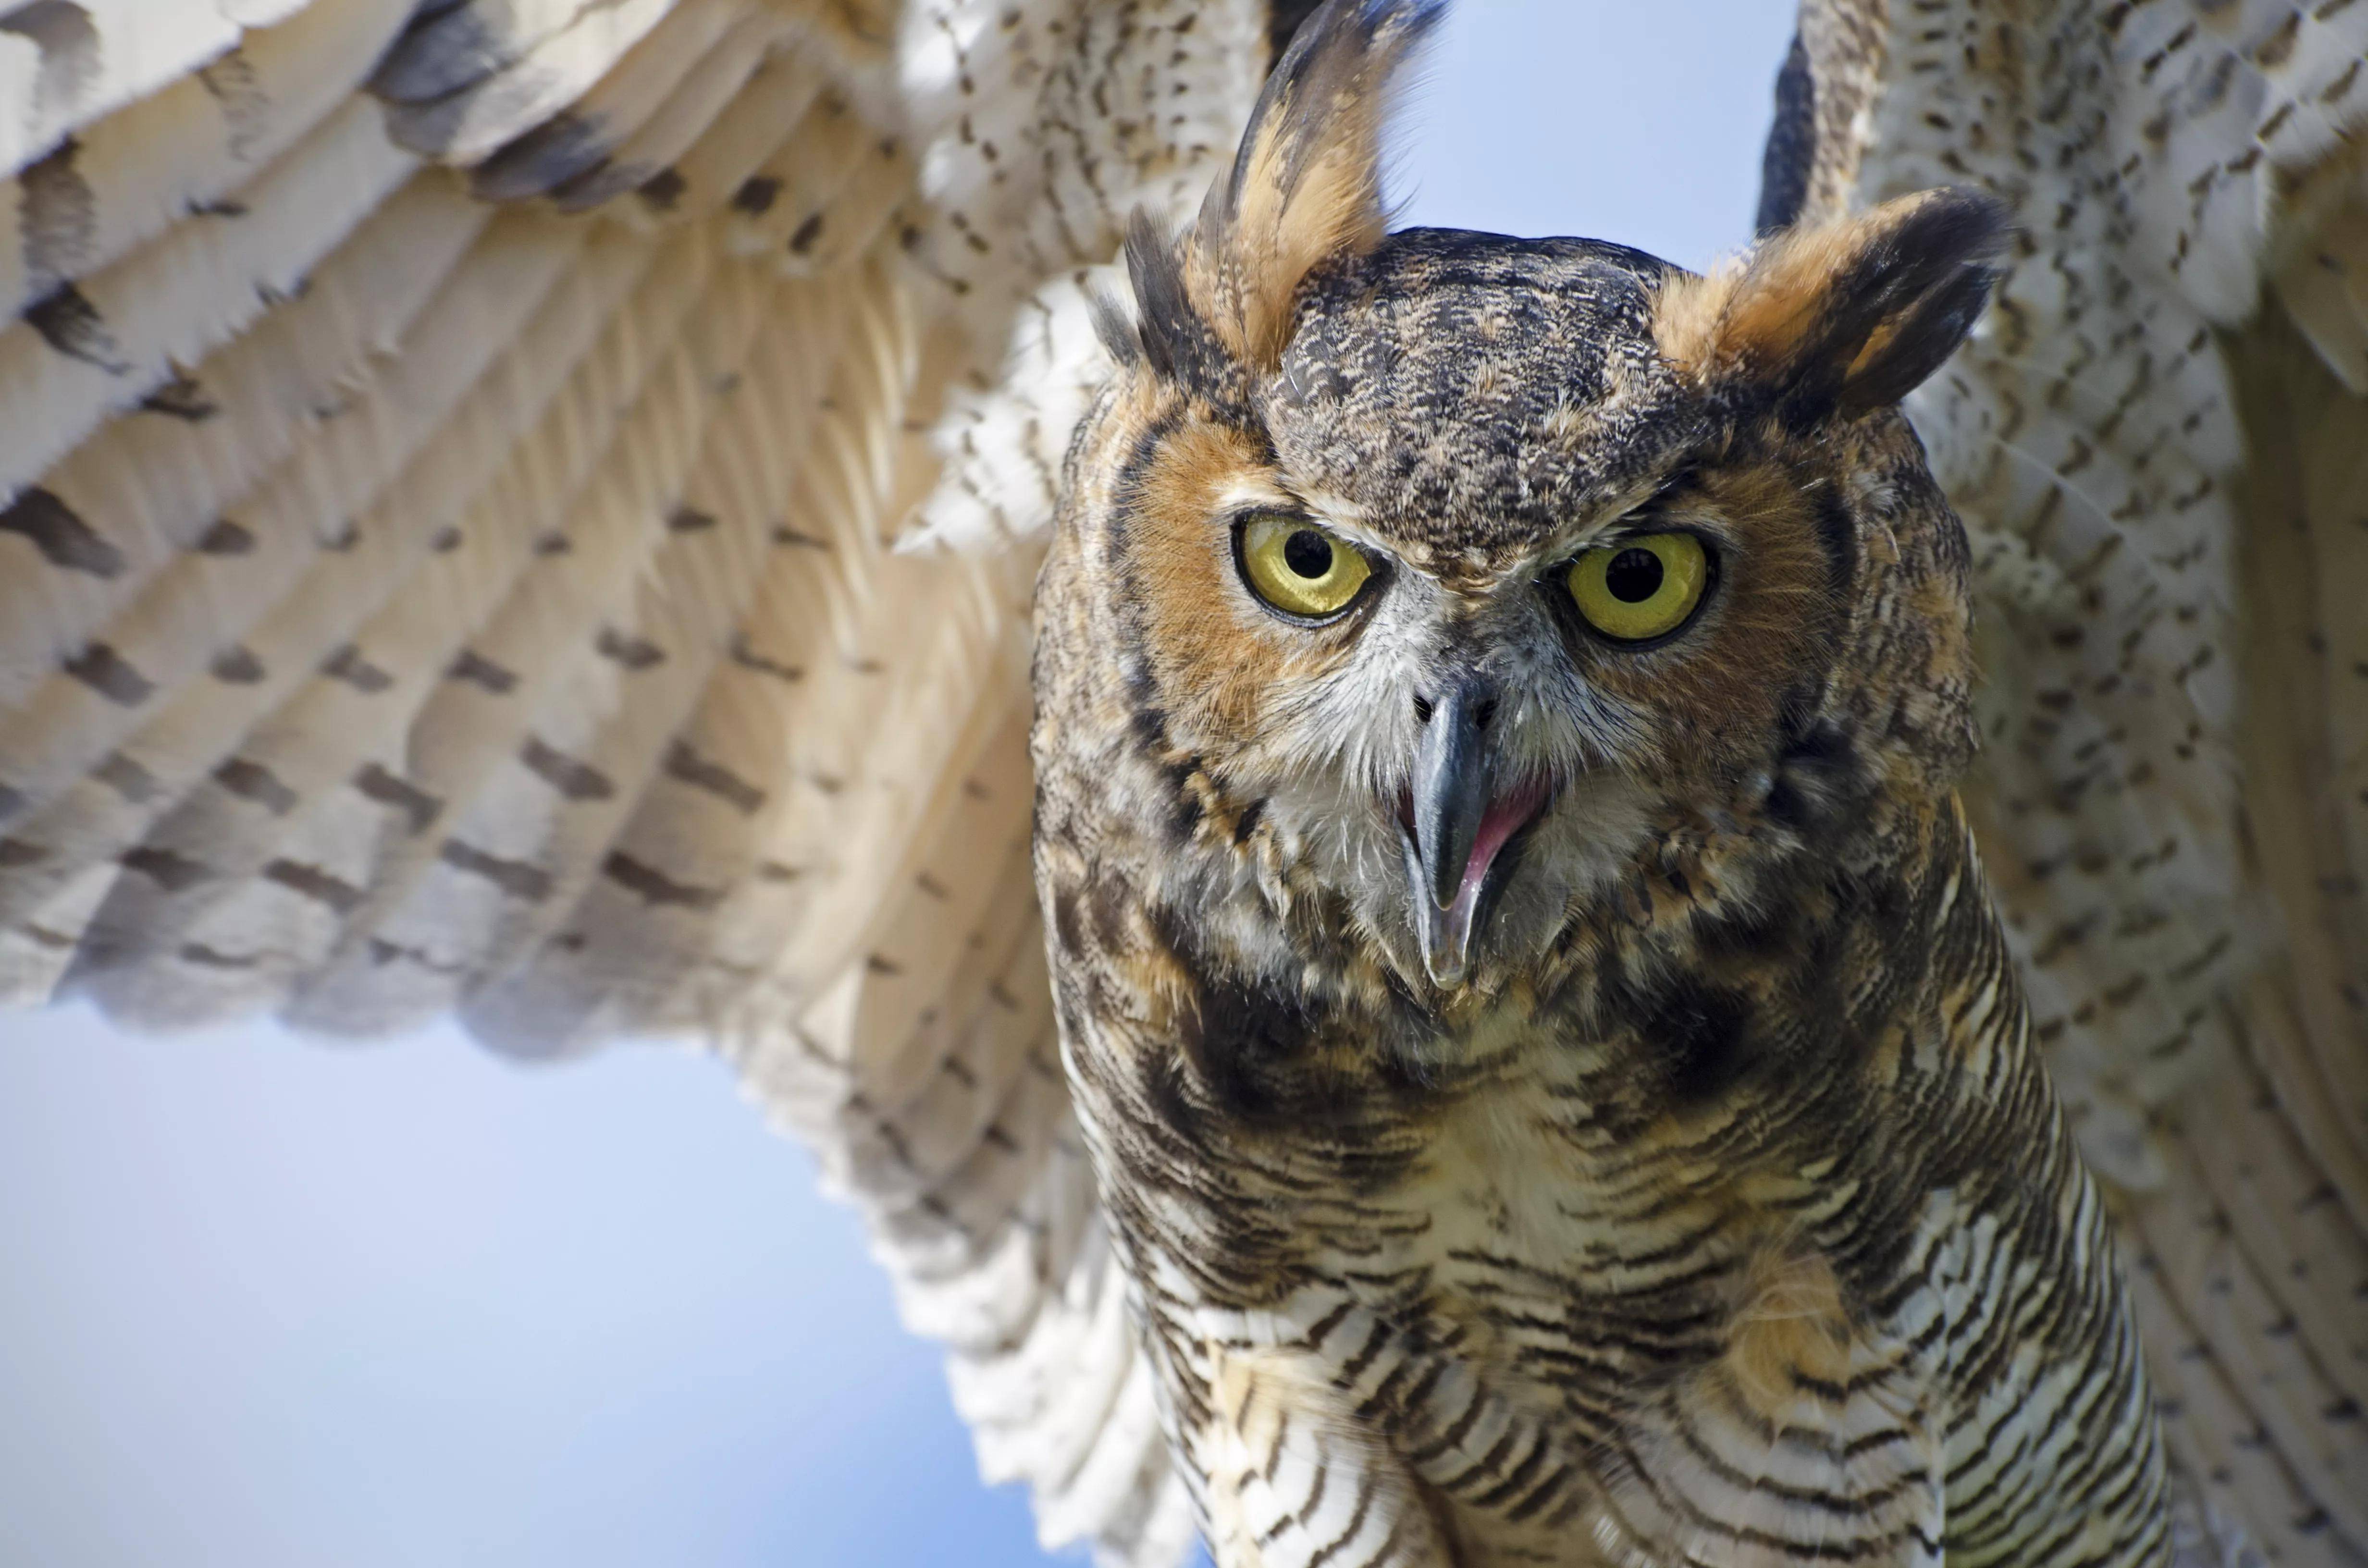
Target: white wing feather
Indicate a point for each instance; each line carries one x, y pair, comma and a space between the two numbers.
454, 460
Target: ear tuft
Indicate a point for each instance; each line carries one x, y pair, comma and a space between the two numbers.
1163, 304
1841, 317
1306, 186
1115, 327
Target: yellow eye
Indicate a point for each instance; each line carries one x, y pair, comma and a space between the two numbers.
1643, 588
1300, 569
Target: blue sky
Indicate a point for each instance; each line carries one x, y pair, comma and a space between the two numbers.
285, 1306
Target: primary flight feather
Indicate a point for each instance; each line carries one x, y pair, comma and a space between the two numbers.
530, 509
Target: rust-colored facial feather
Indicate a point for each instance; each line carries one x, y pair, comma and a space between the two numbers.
1220, 659
1767, 631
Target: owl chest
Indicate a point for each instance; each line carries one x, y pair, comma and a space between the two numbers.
1569, 1271
1545, 1317
1532, 1316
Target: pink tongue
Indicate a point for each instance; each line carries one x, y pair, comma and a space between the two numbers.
1506, 815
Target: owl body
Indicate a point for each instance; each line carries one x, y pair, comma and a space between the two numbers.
1519, 1064
1672, 1178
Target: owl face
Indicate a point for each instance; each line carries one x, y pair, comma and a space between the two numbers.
1459, 581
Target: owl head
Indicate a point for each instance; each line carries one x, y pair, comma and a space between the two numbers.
1451, 593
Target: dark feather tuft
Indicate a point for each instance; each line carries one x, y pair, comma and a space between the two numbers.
1115, 328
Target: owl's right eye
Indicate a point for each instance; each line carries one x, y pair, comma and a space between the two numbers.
1299, 568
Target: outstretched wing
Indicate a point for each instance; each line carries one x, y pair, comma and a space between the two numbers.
2160, 443
452, 456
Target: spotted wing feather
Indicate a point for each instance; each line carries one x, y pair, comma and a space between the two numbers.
455, 459
2156, 441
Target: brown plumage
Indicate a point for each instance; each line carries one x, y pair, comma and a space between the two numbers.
1706, 1203
1519, 1075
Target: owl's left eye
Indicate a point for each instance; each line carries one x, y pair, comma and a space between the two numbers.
1299, 568
1645, 586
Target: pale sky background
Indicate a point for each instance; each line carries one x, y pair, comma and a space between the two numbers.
273, 1305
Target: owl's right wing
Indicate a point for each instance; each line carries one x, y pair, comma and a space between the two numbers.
452, 455
2159, 440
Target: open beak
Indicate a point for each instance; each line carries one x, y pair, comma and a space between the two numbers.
1456, 824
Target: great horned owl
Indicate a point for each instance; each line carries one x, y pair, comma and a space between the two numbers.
1551, 1059
1526, 1070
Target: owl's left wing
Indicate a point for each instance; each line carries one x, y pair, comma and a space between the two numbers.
452, 454
2159, 440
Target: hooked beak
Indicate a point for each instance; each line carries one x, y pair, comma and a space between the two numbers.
1456, 824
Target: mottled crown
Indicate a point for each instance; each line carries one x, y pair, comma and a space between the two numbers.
1481, 392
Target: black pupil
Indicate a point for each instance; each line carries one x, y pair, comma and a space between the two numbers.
1633, 576
1308, 553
